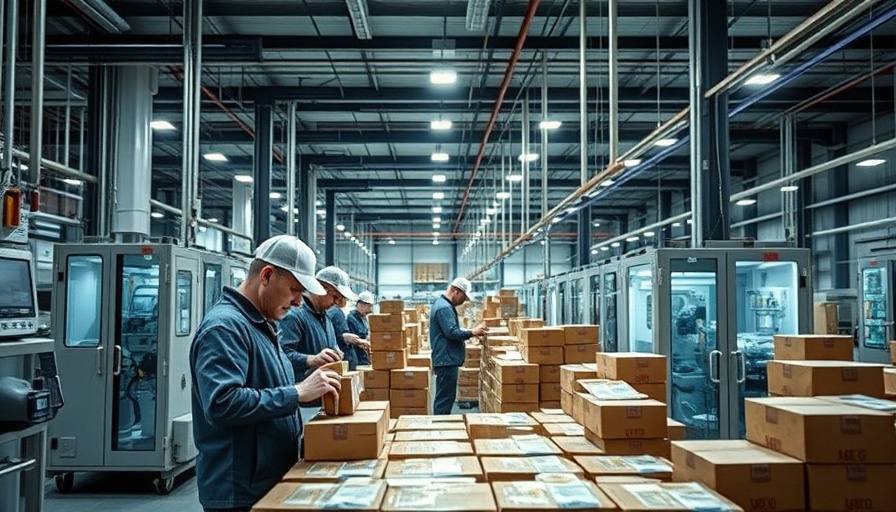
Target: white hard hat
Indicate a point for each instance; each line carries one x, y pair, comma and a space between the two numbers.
464, 285
339, 279
291, 254
367, 298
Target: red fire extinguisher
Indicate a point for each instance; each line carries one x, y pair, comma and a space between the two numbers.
12, 207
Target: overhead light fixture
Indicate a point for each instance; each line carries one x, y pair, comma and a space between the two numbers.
490, 211
648, 234
607, 183
440, 124
438, 195
604, 248
439, 178
515, 177
632, 239
477, 15
871, 162
318, 202
391, 242
789, 188
690, 221
436, 209
762, 79
443, 76
676, 224
503, 195
102, 15
555, 220
72, 182
215, 157
435, 233
357, 11
322, 212
435, 242
528, 157
157, 215
745, 202
549, 125
615, 244
665, 143
437, 219
162, 126
597, 224
485, 221
243, 178
276, 195
436, 225
631, 162
347, 234
212, 219
439, 157
593, 251
542, 242
340, 227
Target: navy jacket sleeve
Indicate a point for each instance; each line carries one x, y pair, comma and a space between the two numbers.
291, 341
447, 322
340, 326
221, 371
357, 326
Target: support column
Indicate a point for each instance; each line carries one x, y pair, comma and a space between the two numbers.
788, 161
307, 225
264, 136
38, 46
751, 171
97, 120
544, 163
330, 229
291, 169
242, 216
710, 165
805, 218
525, 165
838, 183
583, 252
665, 233
192, 108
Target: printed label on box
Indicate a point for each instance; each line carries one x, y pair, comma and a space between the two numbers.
526, 494
308, 494
354, 496
340, 432
648, 464
549, 464
573, 495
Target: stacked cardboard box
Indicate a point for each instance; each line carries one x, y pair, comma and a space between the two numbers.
513, 385
500, 425
388, 341
893, 352
630, 465
514, 325
551, 494
581, 343
360, 436
376, 383
367, 495
816, 378
542, 345
802, 347
409, 391
890, 382
412, 337
569, 374
305, 471
625, 427
512, 469
465, 466
639, 495
645, 372
446, 496
826, 318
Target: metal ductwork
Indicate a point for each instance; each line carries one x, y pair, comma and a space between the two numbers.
102, 15
477, 14
357, 9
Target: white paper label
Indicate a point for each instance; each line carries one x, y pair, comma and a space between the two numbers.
549, 464
358, 468
695, 497
648, 465
572, 495
324, 469
526, 494
612, 390
308, 494
532, 445
354, 496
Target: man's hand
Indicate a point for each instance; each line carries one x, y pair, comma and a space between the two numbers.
364, 344
318, 384
480, 330
326, 356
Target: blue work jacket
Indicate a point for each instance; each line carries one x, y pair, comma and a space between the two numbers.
445, 335
305, 332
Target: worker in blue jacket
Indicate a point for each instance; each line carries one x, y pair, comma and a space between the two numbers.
446, 339
357, 325
244, 395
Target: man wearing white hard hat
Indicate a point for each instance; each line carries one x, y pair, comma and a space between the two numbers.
244, 396
349, 343
447, 340
357, 325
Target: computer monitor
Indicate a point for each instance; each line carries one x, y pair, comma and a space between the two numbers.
18, 294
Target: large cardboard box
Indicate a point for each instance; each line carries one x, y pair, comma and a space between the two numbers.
815, 378
563, 430
552, 417
438, 467
579, 354
432, 435
346, 402
667, 496
517, 393
376, 394
387, 340
468, 377
626, 419
657, 391
356, 437
410, 378
632, 465
411, 315
377, 379
573, 445
549, 392
419, 361
890, 381
821, 432
675, 431
473, 352
542, 337
499, 426
399, 411
566, 402
549, 373
514, 372
391, 306
550, 495
391, 360
429, 449
826, 319
377, 405
440, 497
418, 398
656, 447
542, 355
851, 487
802, 347
516, 446
755, 478
467, 393
581, 335
366, 495
386, 322
510, 469
304, 471
570, 373
516, 324
893, 352
641, 368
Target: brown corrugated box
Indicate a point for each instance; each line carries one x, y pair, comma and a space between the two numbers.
563, 429
826, 319
438, 467
851, 487
514, 325
470, 393
821, 432
517, 393
552, 417
755, 478
635, 367
801, 347
516, 446
626, 419
321, 495
387, 341
386, 322
391, 360
675, 431
657, 447
509, 469
427, 422
893, 352
453, 497
391, 306
515, 406
570, 373
418, 398
420, 361
498, 426
468, 377
540, 495
549, 373
429, 449
377, 379
409, 378
377, 405
494, 321
581, 335
630, 465
346, 402
542, 337
514, 372
542, 355
411, 314
890, 381
573, 445
432, 435
579, 354
566, 403
667, 496
814, 378
376, 394
473, 352
304, 471
356, 437
398, 411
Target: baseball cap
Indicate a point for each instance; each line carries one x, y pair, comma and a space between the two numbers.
367, 298
339, 279
465, 286
291, 254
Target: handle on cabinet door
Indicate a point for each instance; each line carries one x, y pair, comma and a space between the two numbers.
741, 361
116, 368
99, 360
714, 357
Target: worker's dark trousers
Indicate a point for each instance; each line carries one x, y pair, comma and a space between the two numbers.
446, 389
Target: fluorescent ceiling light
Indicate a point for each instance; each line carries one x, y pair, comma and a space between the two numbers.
435, 233
357, 10
665, 143
73, 182
789, 188
318, 202
871, 162
439, 157
438, 195
607, 182
435, 242
322, 212
503, 195
604, 248
436, 225
243, 178
276, 195
614, 244
340, 227
762, 79
555, 220
690, 221
438, 178
443, 76
212, 219
436, 220
162, 126
549, 125
436, 209
528, 157
347, 234
440, 124
215, 157
515, 177
593, 251
632, 162
485, 221
648, 234
490, 211
632, 239
391, 242
157, 215
676, 224
477, 15
746, 202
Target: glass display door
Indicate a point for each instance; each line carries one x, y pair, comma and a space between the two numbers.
594, 297
576, 301
609, 335
877, 311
